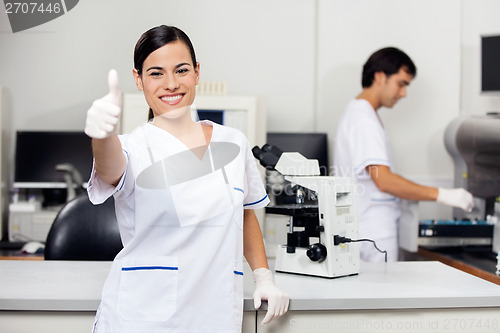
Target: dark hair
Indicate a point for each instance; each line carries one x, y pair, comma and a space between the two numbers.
155, 38
388, 60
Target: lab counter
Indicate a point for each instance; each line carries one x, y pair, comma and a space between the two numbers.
478, 261
427, 296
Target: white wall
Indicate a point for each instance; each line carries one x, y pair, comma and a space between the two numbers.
54, 71
304, 57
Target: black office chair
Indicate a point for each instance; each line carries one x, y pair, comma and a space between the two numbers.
83, 231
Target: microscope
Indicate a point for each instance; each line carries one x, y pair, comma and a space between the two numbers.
319, 234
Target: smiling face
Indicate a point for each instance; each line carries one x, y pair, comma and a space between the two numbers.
169, 79
392, 87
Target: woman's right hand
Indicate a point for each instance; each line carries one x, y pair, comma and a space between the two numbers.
104, 114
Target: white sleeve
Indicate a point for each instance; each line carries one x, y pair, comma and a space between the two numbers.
367, 143
99, 191
255, 192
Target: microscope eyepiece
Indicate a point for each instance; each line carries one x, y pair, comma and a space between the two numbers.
268, 155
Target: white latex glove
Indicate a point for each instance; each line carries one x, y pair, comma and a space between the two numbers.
265, 289
104, 114
456, 197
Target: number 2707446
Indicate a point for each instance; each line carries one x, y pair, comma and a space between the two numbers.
32, 7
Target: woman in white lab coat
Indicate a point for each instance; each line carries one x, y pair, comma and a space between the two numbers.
184, 196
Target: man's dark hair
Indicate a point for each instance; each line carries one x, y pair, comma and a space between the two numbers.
388, 60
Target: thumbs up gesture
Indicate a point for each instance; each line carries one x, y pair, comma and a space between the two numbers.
104, 114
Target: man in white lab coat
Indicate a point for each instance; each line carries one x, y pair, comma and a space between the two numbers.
362, 152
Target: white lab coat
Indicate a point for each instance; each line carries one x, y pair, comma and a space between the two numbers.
181, 223
361, 141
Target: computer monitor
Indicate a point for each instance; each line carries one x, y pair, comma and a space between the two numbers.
38, 153
490, 63
310, 145
217, 116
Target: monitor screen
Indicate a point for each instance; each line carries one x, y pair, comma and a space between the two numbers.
217, 116
310, 145
490, 63
38, 153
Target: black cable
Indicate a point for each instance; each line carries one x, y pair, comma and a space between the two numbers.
339, 240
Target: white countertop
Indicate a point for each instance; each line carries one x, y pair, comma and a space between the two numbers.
77, 285
396, 285
51, 285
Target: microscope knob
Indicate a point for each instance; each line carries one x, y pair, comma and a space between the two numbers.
316, 252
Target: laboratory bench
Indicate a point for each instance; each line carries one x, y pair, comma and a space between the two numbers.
476, 260
421, 296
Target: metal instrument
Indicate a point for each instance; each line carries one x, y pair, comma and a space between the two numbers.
474, 144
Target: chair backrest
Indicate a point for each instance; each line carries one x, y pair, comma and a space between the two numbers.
83, 231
